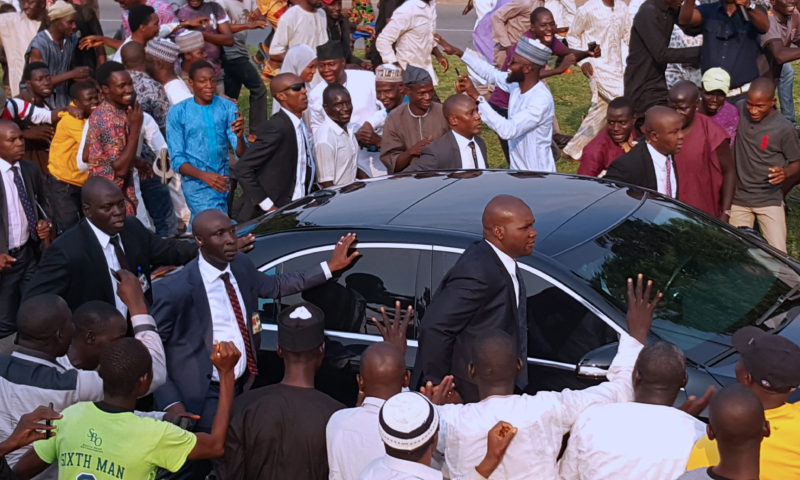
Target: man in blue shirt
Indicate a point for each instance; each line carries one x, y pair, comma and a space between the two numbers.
731, 30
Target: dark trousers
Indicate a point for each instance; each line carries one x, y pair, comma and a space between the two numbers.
12, 281
503, 143
238, 72
65, 203
159, 205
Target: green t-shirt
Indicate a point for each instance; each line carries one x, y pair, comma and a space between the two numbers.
91, 444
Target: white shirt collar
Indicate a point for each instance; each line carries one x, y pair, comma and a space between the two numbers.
210, 273
413, 468
373, 401
508, 262
294, 118
463, 141
336, 128
102, 236
4, 165
655, 154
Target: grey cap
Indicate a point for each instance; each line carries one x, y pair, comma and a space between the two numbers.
533, 50
416, 76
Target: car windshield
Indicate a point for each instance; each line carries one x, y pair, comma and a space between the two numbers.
713, 281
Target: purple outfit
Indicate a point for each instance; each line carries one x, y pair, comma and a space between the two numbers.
482, 35
727, 117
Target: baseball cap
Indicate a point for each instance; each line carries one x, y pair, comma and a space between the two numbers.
772, 360
716, 79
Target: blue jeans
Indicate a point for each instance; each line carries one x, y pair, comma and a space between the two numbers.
785, 94
159, 205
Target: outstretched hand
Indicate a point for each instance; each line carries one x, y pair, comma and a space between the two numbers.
31, 428
446, 47
443, 393
641, 306
394, 332
693, 405
340, 259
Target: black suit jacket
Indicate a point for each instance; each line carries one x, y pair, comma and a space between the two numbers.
636, 168
443, 154
75, 268
35, 189
269, 167
475, 296
183, 316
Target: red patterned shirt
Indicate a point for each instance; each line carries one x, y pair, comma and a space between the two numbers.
106, 138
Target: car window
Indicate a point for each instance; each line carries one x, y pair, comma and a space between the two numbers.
379, 277
714, 282
560, 328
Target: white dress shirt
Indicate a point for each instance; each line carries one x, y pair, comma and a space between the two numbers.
353, 439
529, 126
361, 86
408, 38
511, 268
370, 162
630, 440
18, 234
466, 152
391, 468
111, 260
541, 420
660, 166
303, 144
223, 319
336, 152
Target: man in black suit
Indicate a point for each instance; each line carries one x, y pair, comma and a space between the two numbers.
482, 292
215, 298
461, 147
77, 265
268, 171
22, 230
651, 164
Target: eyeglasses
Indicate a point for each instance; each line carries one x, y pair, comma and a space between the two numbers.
296, 87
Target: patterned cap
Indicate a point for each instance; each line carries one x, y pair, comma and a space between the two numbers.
162, 50
533, 50
388, 73
407, 421
190, 41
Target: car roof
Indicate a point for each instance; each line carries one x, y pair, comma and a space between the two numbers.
567, 208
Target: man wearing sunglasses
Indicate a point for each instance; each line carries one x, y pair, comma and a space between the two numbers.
280, 165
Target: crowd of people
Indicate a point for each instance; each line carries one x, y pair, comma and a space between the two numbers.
111, 147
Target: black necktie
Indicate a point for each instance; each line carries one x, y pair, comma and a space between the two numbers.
522, 325
474, 153
25, 200
123, 261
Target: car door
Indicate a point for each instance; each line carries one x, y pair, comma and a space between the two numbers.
562, 327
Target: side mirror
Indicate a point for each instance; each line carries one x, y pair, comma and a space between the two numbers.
594, 365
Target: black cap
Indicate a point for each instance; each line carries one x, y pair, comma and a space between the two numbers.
301, 327
772, 360
331, 51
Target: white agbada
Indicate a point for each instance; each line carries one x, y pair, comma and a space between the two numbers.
541, 420
353, 439
529, 126
630, 440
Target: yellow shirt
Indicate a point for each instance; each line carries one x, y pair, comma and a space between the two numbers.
62, 162
780, 452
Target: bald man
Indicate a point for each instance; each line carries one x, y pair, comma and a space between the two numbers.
651, 164
352, 434
279, 166
705, 163
737, 423
766, 152
482, 292
461, 113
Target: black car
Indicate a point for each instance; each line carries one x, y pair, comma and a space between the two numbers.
592, 235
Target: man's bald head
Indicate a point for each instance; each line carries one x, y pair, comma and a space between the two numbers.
494, 358
208, 221
761, 88
44, 323
659, 373
461, 113
383, 370
508, 225
663, 128
95, 187
684, 89
683, 99
736, 416
215, 236
133, 56
282, 81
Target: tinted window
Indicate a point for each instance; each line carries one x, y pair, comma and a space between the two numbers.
379, 277
713, 281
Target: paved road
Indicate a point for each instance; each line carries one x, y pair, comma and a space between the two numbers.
452, 25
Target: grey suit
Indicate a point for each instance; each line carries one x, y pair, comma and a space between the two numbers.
443, 154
